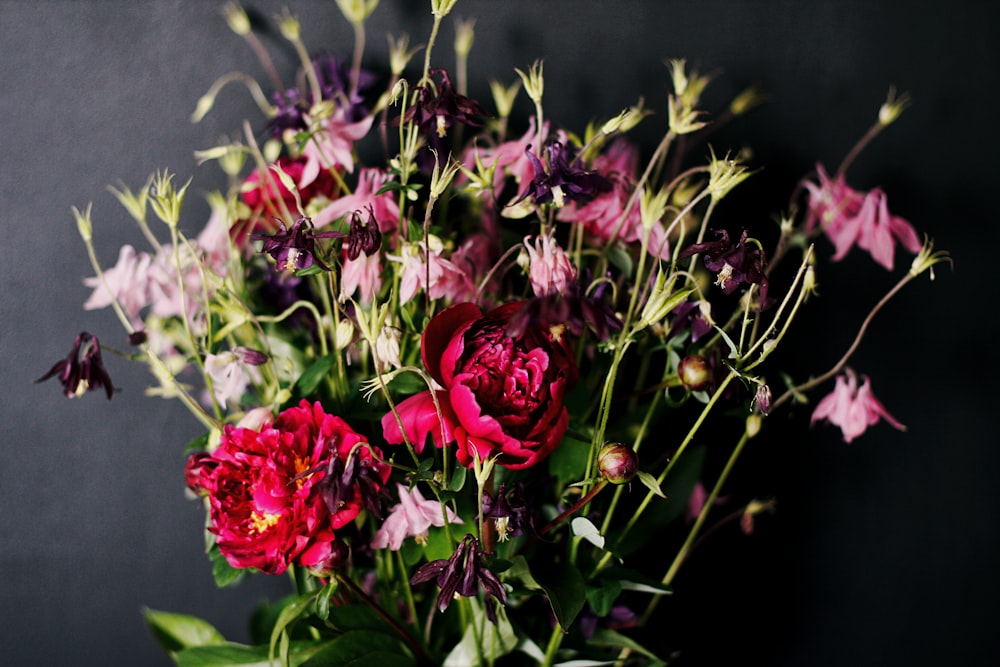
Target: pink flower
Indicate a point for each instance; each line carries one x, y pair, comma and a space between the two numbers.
549, 267
849, 218
851, 408
231, 375
333, 146
501, 396
265, 489
362, 275
127, 282
411, 518
443, 279
384, 207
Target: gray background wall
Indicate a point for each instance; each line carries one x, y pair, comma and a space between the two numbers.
883, 552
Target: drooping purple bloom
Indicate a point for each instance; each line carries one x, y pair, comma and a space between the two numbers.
439, 107
734, 263
294, 249
508, 510
83, 370
360, 477
364, 236
562, 182
463, 573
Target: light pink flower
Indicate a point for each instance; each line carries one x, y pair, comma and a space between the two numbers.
384, 207
852, 408
362, 275
411, 518
127, 282
333, 146
230, 376
549, 267
850, 218
443, 279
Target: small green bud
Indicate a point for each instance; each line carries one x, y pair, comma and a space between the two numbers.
892, 107
464, 35
534, 81
83, 224
237, 19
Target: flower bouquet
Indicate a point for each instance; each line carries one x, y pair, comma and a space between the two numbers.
433, 347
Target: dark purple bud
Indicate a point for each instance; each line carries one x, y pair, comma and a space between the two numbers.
617, 463
763, 398
250, 357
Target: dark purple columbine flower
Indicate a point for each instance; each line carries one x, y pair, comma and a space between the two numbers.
83, 370
334, 83
364, 236
689, 315
360, 477
574, 309
562, 181
734, 264
294, 249
439, 107
508, 510
463, 573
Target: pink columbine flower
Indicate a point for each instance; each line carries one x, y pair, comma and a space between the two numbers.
126, 282
333, 146
384, 207
852, 408
411, 518
850, 218
442, 280
232, 372
549, 267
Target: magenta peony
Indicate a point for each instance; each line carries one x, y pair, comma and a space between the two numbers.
501, 396
265, 493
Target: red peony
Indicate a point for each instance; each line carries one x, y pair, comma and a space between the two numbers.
265, 489
502, 396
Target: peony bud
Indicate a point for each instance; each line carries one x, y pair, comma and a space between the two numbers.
617, 463
695, 373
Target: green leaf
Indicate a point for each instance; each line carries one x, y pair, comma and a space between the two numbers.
175, 632
291, 612
223, 573
602, 595
568, 462
310, 379
361, 648
483, 638
565, 589
605, 637
240, 655
198, 444
620, 259
650, 483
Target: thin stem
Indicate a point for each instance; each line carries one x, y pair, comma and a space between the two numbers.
805, 386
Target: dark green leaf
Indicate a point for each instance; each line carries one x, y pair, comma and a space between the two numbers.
362, 648
605, 637
565, 589
198, 444
568, 463
224, 573
310, 379
602, 595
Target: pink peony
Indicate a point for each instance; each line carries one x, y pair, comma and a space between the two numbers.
852, 408
265, 489
501, 396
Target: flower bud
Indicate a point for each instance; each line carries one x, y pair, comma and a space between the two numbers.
336, 560
695, 373
617, 463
